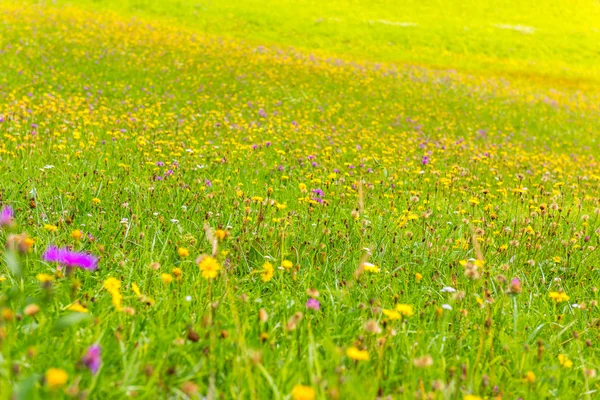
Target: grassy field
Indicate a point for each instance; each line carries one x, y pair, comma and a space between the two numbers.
202, 200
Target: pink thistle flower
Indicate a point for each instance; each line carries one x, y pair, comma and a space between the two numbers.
70, 258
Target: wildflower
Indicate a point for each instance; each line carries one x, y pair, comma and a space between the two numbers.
529, 377
44, 278
515, 286
77, 307
21, 243
313, 304
423, 362
56, 377
136, 289
392, 314
183, 252
51, 228
112, 286
558, 296
293, 322
405, 309
287, 264
31, 309
7, 217
357, 354
267, 272
418, 277
96, 200
209, 266
221, 234
368, 267
77, 234
471, 397
448, 289
70, 258
564, 361
92, 359
166, 278
301, 392
177, 272
372, 326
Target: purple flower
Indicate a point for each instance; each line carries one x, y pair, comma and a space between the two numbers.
7, 216
318, 192
92, 358
313, 304
425, 160
70, 258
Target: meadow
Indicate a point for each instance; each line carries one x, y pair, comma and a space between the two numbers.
200, 200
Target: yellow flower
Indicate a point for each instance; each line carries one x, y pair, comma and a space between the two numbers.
44, 278
564, 361
558, 296
405, 309
166, 278
177, 272
368, 267
392, 314
112, 286
267, 272
183, 252
302, 187
220, 234
96, 200
301, 392
471, 397
77, 234
529, 377
356, 354
209, 266
50, 228
418, 277
77, 307
287, 264
136, 289
56, 377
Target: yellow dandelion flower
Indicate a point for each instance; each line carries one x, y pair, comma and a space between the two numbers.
209, 266
357, 354
287, 264
392, 314
405, 309
267, 272
301, 392
368, 267
558, 297
183, 252
77, 307
56, 378
136, 289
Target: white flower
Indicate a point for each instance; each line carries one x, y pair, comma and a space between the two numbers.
446, 306
448, 289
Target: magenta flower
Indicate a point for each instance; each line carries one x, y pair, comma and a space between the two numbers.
92, 358
7, 216
70, 258
313, 304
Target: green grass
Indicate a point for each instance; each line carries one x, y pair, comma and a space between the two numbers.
557, 40
147, 135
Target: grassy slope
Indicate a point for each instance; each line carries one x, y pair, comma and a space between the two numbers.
464, 35
102, 99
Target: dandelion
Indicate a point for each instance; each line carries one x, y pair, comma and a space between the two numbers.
51, 228
92, 359
112, 286
287, 264
56, 378
368, 267
70, 258
357, 354
7, 217
529, 377
77, 307
209, 266
77, 234
564, 361
418, 277
392, 314
405, 309
221, 234
267, 272
183, 252
166, 278
301, 392
136, 289
558, 297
